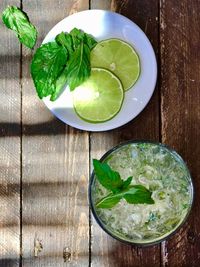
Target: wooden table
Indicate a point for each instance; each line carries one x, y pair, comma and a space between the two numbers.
44, 164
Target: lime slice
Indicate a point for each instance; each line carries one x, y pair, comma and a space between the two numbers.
118, 57
100, 97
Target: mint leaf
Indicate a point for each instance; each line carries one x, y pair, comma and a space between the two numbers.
65, 40
78, 68
108, 202
127, 182
59, 85
65, 61
72, 42
47, 65
17, 20
79, 36
90, 41
138, 194
110, 179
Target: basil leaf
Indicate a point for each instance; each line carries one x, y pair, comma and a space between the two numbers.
17, 20
108, 202
138, 194
110, 179
65, 40
78, 66
46, 66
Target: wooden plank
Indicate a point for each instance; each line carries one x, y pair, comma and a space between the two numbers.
105, 251
10, 131
180, 58
55, 166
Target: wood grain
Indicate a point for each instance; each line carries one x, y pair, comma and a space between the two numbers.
180, 57
106, 251
55, 166
10, 95
55, 157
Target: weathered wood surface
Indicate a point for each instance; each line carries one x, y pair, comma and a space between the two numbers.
55, 165
10, 132
180, 110
51, 160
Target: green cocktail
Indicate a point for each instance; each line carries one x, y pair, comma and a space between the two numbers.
163, 172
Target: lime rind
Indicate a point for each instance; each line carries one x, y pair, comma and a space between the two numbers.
99, 98
128, 67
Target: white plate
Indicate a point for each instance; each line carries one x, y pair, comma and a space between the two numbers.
103, 25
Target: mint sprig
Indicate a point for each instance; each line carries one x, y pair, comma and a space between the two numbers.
46, 67
112, 181
17, 20
66, 61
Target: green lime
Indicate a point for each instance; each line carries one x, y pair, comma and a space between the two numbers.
100, 97
118, 57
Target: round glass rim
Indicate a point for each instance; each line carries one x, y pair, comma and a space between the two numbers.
166, 236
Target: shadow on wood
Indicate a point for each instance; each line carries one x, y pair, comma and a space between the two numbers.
9, 262
53, 127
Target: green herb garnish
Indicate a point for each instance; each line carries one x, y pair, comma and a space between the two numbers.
111, 180
55, 64
47, 64
78, 69
66, 41
17, 20
78, 44
73, 69
79, 36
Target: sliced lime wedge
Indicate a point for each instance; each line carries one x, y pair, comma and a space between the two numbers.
118, 57
100, 97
